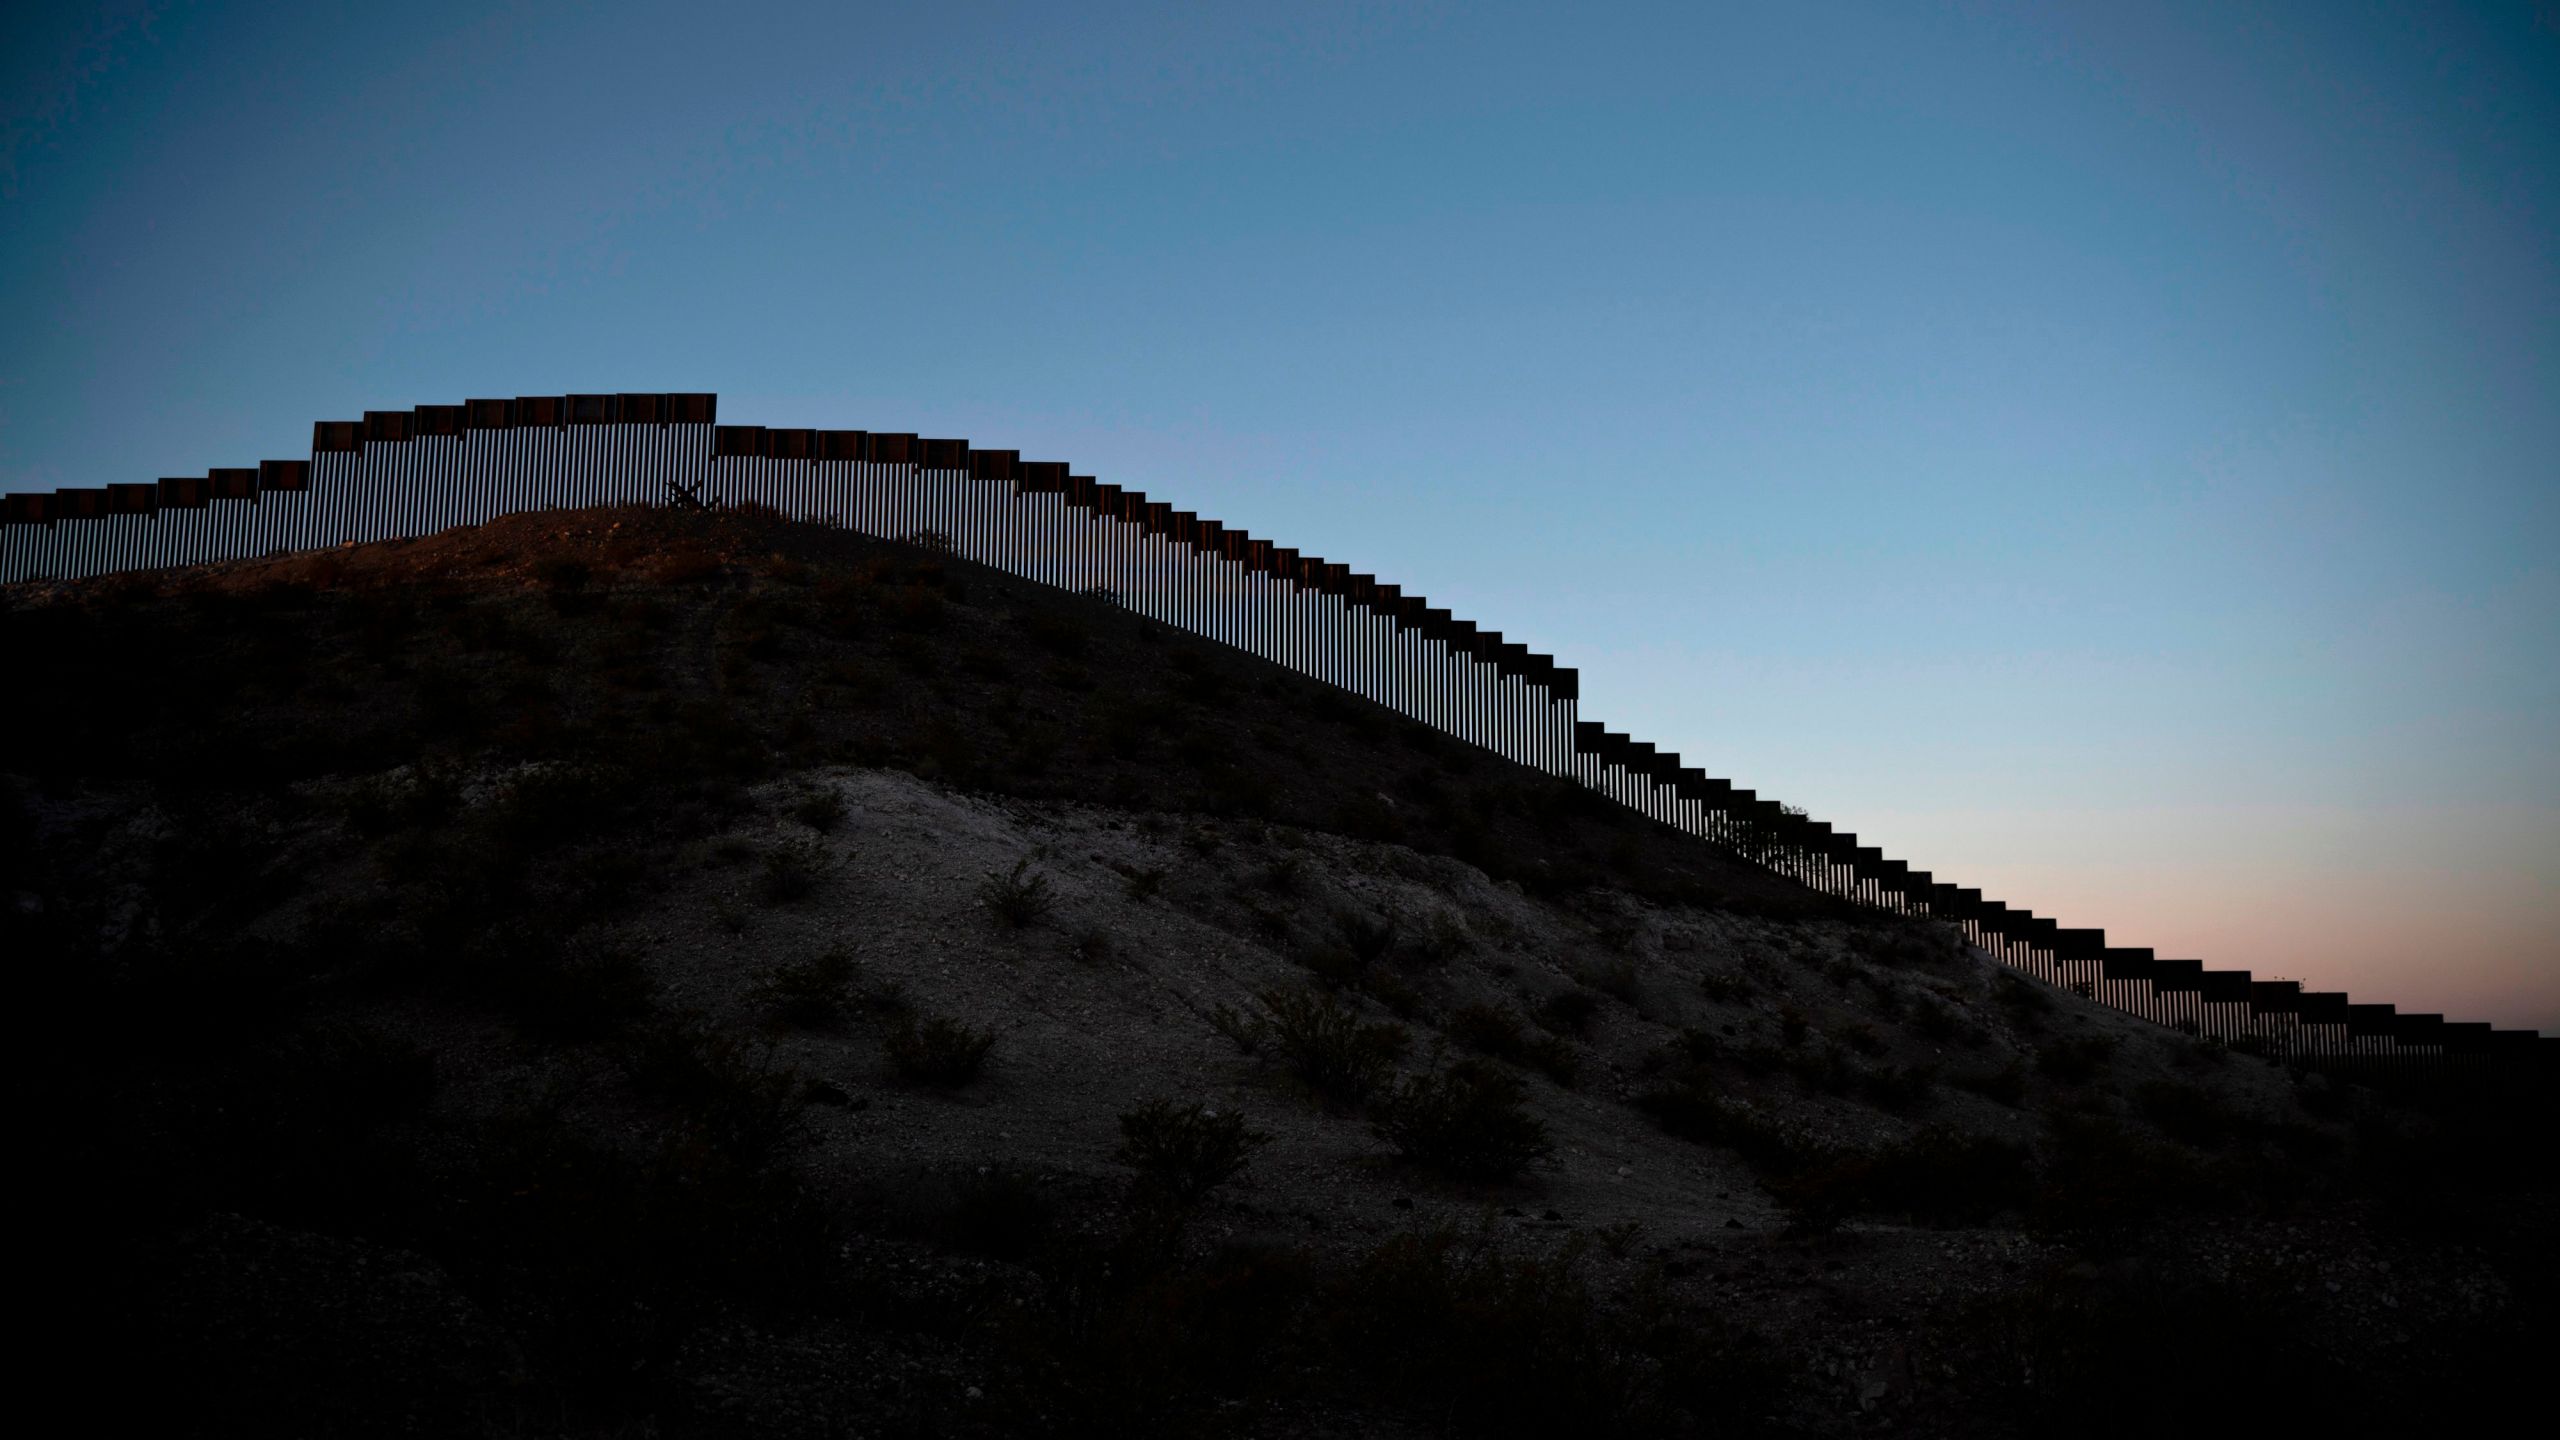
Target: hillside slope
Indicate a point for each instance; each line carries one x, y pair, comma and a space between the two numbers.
639, 969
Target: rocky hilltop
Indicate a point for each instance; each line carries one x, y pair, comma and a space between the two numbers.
656, 972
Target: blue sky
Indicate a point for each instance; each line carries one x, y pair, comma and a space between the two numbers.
2105, 453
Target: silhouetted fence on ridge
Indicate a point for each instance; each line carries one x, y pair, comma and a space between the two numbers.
409, 473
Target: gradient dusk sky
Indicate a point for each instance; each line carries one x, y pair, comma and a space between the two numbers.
2104, 453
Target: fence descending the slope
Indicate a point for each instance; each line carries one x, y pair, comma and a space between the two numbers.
410, 473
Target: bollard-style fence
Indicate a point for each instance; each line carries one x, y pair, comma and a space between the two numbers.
410, 473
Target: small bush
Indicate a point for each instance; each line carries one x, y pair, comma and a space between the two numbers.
2188, 1113
1933, 1021
1724, 988
1902, 947
998, 1213
1568, 1011
1284, 876
1336, 1055
563, 575
1899, 1088
1182, 1152
938, 1051
1937, 1177
1617, 978
1444, 937
1488, 1029
400, 800
1498, 1031
1244, 1030
810, 992
1862, 1037
1141, 885
1691, 1108
1402, 1000
728, 1093
1017, 900
2007, 1085
821, 809
1466, 1121
2076, 1060
1093, 946
577, 995
2023, 999
1792, 1025
1367, 937
791, 871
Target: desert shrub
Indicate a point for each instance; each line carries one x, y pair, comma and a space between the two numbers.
1862, 1037
1724, 988
613, 1255
1466, 1120
1938, 1177
553, 803
566, 992
1792, 1026
1093, 946
2024, 999
2104, 1184
938, 1051
791, 871
1488, 1029
2321, 1096
2076, 1059
1141, 885
2007, 1085
1340, 1058
1284, 876
2188, 1113
1932, 1020
996, 1212
811, 992
1616, 977
1691, 1107
306, 1125
1904, 946
1245, 1030
1018, 899
1402, 1000
561, 573
1444, 937
1182, 1152
400, 800
726, 1092
1568, 1011
1899, 1088
1829, 1069
2055, 1345
821, 809
1368, 937
1501, 1345
1499, 1031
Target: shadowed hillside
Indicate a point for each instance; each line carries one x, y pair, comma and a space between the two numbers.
649, 970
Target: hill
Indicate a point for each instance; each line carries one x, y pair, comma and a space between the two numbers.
687, 971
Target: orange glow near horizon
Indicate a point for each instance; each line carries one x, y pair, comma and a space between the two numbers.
2455, 916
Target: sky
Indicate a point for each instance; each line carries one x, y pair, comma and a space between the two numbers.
2107, 454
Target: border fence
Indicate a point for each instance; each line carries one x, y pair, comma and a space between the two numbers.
409, 473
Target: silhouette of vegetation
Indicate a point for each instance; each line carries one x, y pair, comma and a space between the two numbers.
813, 992
1182, 1152
1019, 899
938, 1050
1466, 1120
1340, 1058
